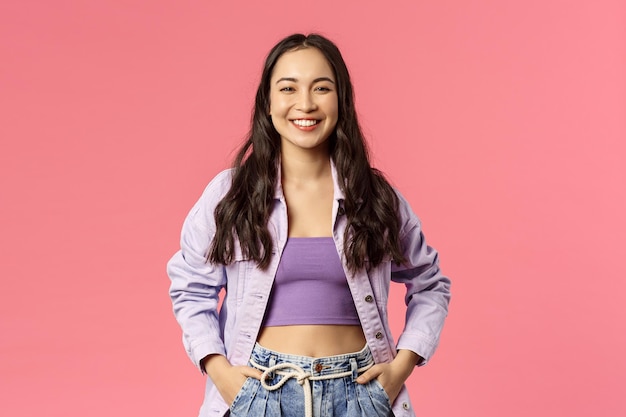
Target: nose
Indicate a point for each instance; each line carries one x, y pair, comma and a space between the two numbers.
306, 102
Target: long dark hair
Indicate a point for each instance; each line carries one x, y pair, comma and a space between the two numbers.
370, 202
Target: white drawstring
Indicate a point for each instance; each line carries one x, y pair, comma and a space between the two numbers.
302, 377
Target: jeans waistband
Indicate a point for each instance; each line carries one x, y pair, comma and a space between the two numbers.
305, 369
327, 365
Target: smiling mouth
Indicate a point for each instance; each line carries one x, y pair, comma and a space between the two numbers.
305, 122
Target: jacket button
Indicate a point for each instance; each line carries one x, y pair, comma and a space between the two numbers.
379, 335
341, 211
369, 298
405, 406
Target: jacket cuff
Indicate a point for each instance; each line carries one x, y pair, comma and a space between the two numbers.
418, 343
203, 349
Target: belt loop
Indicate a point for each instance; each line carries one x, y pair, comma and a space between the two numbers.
270, 364
354, 368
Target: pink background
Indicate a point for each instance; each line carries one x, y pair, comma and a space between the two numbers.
503, 123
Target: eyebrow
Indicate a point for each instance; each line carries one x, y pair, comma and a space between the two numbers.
293, 80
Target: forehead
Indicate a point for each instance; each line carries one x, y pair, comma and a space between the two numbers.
303, 64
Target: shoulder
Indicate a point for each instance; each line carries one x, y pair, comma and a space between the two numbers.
214, 192
220, 184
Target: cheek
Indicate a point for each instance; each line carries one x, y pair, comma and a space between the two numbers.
277, 108
332, 107
334, 114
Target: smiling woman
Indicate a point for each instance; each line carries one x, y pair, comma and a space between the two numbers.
303, 100
305, 236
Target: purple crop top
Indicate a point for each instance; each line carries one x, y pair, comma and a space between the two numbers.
310, 286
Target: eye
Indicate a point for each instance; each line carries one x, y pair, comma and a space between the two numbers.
322, 89
287, 89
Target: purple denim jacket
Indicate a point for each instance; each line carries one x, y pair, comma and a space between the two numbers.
232, 331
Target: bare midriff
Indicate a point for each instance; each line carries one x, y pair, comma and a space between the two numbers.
313, 340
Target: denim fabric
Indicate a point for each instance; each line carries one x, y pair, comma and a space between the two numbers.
336, 397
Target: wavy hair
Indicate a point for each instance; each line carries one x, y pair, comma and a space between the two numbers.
371, 204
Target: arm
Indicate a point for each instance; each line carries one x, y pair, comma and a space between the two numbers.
427, 299
194, 290
195, 293
196, 283
427, 289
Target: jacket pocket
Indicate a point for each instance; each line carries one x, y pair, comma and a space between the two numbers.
237, 273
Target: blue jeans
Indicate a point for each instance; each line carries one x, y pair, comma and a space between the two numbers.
330, 381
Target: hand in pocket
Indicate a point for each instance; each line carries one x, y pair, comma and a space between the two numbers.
228, 379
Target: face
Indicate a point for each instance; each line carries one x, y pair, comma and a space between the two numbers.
303, 100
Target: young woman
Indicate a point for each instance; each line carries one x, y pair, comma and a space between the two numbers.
305, 236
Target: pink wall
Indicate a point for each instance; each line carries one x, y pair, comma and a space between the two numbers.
503, 122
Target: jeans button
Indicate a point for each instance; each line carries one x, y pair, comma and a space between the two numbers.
379, 335
369, 298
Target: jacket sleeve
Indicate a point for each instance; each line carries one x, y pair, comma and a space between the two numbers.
427, 289
195, 282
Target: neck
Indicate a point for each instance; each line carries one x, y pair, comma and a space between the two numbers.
305, 167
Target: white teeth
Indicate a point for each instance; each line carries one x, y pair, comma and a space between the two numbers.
305, 123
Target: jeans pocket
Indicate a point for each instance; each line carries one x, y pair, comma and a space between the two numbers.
241, 394
384, 397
